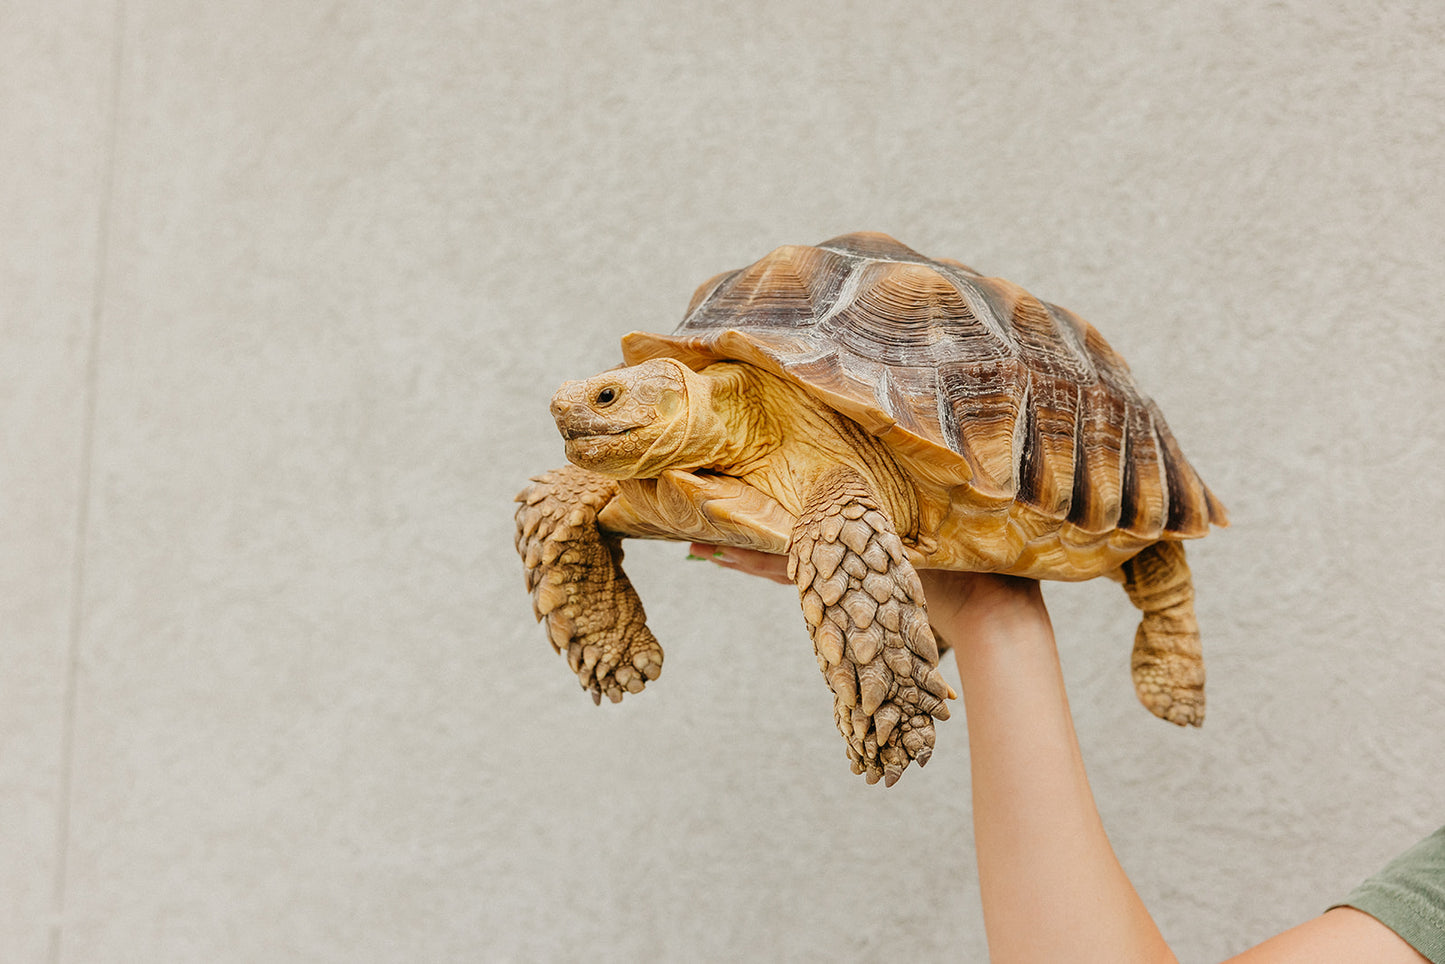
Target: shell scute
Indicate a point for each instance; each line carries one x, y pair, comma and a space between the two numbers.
979, 412
1097, 499
905, 314
910, 397
1144, 507
1044, 344
1050, 443
789, 289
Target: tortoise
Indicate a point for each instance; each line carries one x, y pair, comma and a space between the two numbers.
869, 412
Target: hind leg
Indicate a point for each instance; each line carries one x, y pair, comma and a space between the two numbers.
865, 610
574, 572
1168, 662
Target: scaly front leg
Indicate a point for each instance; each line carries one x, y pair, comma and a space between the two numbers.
574, 573
865, 610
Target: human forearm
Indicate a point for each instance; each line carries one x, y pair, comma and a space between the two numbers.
1051, 885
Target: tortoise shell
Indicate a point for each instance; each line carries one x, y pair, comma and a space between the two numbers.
1031, 446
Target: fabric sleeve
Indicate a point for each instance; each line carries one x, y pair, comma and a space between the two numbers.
1408, 896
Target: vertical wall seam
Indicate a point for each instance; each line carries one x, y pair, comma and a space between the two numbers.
64, 790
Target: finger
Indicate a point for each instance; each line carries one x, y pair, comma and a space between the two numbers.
754, 563
749, 561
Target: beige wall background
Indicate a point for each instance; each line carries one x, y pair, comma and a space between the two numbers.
285, 289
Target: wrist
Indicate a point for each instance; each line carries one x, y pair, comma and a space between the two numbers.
984, 609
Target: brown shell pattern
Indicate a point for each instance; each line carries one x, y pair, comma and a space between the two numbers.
1027, 395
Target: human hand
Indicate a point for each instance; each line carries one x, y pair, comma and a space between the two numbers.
749, 561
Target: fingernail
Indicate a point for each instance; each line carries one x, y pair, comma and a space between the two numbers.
719, 553
696, 558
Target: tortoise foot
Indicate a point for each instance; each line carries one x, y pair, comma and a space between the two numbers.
1170, 686
864, 607
1168, 661
574, 573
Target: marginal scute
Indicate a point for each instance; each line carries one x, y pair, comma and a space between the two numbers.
1188, 498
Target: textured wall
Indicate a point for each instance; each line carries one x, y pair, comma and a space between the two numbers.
285, 288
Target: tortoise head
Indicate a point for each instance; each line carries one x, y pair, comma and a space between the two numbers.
629, 422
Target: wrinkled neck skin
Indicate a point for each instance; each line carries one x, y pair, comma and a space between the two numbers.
719, 428
776, 437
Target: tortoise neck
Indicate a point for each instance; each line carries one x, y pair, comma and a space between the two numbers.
728, 430
781, 440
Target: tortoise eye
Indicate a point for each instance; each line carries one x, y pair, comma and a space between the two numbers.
606, 396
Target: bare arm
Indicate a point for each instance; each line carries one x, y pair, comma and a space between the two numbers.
1039, 839
1052, 887
1343, 934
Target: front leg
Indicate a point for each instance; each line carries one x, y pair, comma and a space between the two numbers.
865, 610
574, 573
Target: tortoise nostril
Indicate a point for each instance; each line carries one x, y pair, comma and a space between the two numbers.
560, 406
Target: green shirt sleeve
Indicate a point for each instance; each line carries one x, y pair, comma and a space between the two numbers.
1408, 896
